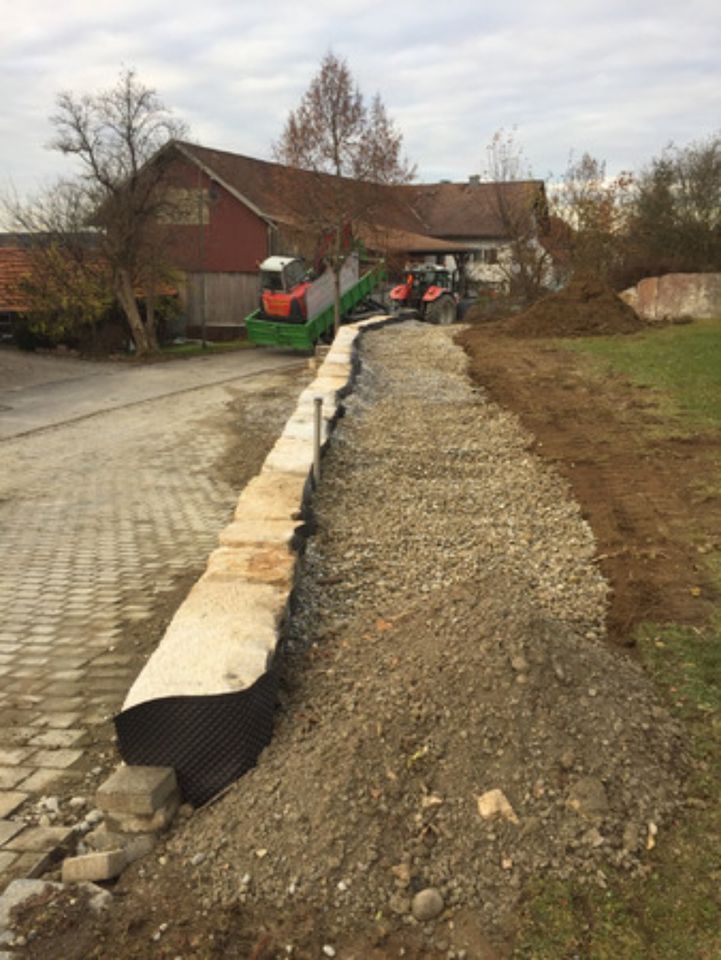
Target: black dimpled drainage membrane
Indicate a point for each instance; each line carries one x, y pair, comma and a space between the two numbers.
209, 741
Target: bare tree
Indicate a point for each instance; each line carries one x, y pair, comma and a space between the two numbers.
351, 150
113, 134
521, 209
595, 208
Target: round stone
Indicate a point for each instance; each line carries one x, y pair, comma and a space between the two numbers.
427, 904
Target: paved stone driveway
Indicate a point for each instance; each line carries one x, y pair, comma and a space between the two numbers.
97, 520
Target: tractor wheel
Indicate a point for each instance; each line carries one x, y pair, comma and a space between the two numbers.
441, 311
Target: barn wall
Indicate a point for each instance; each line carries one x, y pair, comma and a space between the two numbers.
228, 298
214, 232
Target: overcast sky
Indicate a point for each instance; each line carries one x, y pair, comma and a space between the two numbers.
619, 79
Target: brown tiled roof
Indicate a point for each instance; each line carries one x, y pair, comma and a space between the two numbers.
423, 211
14, 266
470, 210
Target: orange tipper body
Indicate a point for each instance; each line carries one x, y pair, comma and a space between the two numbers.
285, 305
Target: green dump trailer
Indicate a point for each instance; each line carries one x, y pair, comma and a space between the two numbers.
304, 336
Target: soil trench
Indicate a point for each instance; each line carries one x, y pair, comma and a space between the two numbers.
638, 490
447, 640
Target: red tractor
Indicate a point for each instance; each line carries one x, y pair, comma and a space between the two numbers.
430, 291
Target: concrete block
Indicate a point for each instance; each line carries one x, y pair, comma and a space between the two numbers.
137, 790
135, 845
138, 824
103, 865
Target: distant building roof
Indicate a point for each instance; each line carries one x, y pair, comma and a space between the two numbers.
416, 214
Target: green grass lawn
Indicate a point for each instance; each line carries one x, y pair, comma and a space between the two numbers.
681, 363
673, 913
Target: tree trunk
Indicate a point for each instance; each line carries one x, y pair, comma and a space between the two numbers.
126, 296
150, 319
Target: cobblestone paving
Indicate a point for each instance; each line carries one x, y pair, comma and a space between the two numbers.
97, 520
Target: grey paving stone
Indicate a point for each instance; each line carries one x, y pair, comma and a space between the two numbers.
8, 829
10, 800
11, 776
58, 738
57, 758
37, 839
13, 756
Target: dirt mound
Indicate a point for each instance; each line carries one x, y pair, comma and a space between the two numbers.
584, 308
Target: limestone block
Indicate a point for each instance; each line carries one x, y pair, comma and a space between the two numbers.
103, 865
301, 426
243, 532
290, 455
335, 367
137, 790
273, 495
268, 563
219, 641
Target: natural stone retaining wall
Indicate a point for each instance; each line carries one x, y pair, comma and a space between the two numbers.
204, 701
676, 295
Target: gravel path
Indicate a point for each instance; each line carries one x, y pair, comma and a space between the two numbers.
446, 642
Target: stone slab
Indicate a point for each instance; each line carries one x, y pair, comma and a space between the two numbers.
137, 790
260, 563
290, 455
219, 641
240, 533
271, 496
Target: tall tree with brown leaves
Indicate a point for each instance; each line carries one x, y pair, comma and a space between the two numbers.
351, 149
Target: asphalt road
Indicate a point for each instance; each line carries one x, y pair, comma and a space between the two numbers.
37, 392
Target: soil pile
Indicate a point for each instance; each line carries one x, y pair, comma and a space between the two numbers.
584, 308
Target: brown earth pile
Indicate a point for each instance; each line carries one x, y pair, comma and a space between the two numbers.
586, 307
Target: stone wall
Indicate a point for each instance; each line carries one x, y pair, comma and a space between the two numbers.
676, 295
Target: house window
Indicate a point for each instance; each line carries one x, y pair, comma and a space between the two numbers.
487, 255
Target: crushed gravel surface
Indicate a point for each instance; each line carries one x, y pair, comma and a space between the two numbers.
446, 642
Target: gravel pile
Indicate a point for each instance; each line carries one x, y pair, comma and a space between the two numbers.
452, 723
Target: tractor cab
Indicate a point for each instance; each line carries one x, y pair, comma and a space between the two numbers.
429, 291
